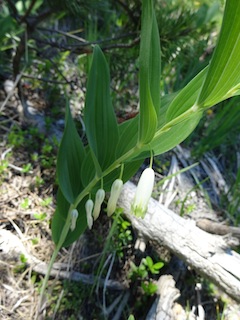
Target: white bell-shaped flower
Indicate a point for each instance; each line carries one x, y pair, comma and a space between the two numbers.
114, 195
74, 216
89, 208
100, 195
143, 193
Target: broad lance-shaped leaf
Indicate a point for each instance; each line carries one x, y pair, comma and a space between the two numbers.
70, 157
149, 74
128, 130
100, 120
223, 78
166, 140
186, 98
128, 136
178, 118
59, 220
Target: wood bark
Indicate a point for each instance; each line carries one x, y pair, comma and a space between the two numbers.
210, 255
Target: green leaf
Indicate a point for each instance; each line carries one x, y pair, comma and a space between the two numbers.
87, 169
178, 124
62, 204
70, 157
187, 97
60, 217
223, 77
158, 265
130, 168
166, 140
149, 261
149, 75
99, 117
178, 117
128, 132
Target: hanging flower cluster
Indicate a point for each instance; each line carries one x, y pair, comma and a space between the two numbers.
139, 206
93, 209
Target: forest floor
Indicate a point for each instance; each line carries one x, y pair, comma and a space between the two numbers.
27, 202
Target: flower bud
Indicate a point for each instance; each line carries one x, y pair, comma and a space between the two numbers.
114, 195
143, 193
89, 209
100, 195
74, 216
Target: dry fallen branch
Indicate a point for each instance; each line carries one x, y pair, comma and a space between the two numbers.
208, 254
11, 248
164, 305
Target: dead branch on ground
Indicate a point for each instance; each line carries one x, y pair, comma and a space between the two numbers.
210, 255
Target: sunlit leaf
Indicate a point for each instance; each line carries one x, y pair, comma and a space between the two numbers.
223, 77
99, 117
187, 97
70, 157
165, 141
175, 126
87, 169
128, 132
149, 75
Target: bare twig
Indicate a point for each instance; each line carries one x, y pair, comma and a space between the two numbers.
27, 13
28, 76
218, 228
90, 43
86, 48
122, 45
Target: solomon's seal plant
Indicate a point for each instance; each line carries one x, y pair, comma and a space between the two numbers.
163, 122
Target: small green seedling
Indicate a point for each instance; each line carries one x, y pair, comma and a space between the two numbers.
149, 287
40, 216
46, 202
154, 268
23, 262
26, 168
25, 204
146, 266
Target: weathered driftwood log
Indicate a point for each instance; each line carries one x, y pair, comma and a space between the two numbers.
208, 254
